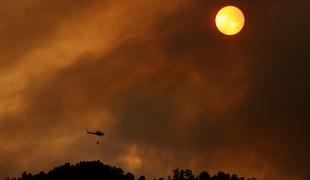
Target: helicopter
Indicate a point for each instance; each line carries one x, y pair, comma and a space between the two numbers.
96, 132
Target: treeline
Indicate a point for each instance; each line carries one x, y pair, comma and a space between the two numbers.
95, 170
83, 170
188, 175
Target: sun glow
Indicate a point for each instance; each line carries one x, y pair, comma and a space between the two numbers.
230, 20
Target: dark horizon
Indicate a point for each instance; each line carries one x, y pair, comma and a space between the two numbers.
159, 79
98, 170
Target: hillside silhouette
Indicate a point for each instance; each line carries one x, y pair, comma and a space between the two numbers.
95, 170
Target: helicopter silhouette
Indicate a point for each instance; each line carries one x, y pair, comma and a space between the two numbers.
96, 132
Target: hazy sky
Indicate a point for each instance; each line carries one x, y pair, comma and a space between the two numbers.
168, 89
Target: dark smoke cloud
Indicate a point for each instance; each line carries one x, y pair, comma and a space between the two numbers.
176, 94
29, 25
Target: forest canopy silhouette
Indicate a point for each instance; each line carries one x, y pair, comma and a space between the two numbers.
97, 170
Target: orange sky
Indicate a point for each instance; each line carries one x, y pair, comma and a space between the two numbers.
169, 90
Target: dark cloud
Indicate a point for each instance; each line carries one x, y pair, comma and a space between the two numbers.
184, 96
28, 25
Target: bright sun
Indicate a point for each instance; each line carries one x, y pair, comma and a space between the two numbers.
230, 20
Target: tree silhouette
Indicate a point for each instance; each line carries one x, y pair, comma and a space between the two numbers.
204, 176
222, 176
234, 177
141, 178
188, 174
130, 176
95, 170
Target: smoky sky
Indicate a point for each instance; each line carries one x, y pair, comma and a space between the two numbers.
167, 88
